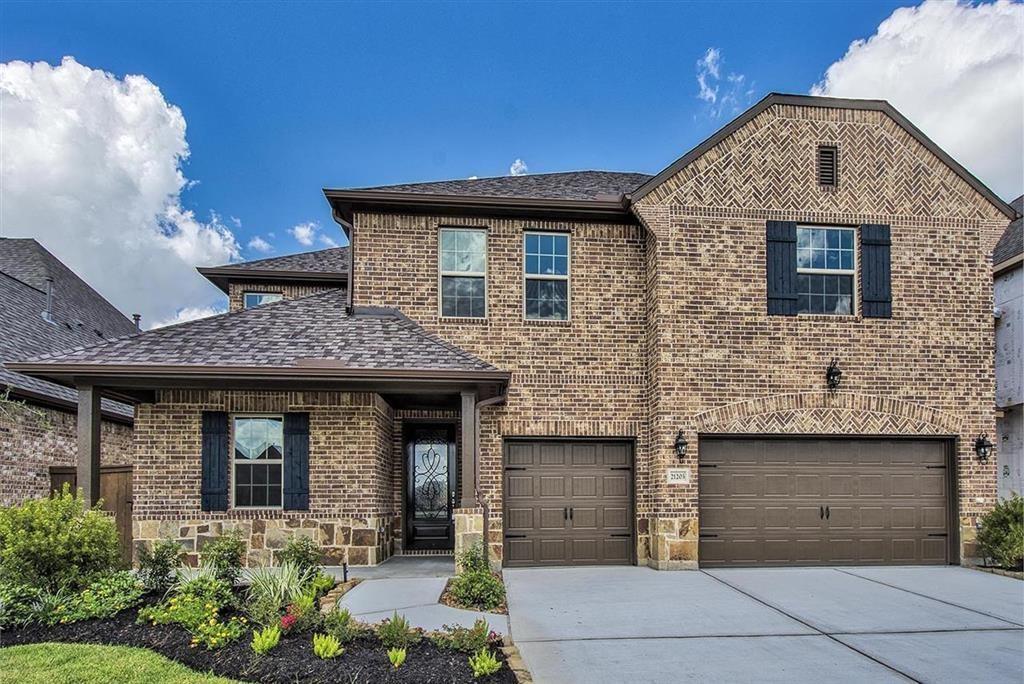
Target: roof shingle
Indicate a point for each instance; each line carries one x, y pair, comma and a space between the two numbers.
332, 260
570, 185
1011, 243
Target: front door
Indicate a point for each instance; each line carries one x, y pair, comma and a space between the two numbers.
430, 487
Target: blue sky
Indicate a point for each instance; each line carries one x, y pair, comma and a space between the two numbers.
281, 100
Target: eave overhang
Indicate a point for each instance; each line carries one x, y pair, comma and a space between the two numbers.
222, 276
346, 203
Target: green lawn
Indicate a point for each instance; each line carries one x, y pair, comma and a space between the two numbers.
85, 664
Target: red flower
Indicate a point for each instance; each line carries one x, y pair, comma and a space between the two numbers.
287, 622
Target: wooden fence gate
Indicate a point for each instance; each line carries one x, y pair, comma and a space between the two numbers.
116, 492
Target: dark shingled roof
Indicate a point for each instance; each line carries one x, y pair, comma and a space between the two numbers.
283, 335
1011, 244
80, 317
570, 185
333, 260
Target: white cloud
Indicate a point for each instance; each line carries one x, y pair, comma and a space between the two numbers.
957, 71
188, 313
473, 178
91, 166
518, 168
721, 97
305, 233
327, 241
260, 245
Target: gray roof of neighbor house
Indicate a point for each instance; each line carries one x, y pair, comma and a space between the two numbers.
1011, 243
324, 265
311, 332
80, 317
569, 185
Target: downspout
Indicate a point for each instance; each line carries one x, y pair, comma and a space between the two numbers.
350, 231
480, 500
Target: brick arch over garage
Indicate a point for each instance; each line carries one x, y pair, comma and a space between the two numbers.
823, 412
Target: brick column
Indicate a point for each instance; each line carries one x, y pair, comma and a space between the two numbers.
468, 464
89, 443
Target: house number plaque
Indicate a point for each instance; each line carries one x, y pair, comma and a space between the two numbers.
678, 476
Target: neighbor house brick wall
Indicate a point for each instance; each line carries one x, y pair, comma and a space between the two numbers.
582, 377
722, 365
33, 438
351, 503
237, 290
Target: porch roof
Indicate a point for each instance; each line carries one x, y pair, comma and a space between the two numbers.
309, 342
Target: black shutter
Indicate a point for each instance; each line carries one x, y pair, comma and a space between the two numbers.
296, 461
875, 273
215, 461
781, 268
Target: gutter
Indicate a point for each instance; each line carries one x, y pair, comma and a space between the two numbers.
349, 229
481, 501
1007, 264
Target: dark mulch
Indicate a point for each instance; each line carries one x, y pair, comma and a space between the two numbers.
364, 660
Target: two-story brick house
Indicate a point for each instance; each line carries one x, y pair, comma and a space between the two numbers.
778, 350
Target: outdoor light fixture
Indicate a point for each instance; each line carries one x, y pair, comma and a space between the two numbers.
833, 375
983, 448
680, 445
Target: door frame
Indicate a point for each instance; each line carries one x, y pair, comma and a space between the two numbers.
408, 426
631, 441
950, 444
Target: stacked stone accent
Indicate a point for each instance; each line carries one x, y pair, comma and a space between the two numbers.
33, 438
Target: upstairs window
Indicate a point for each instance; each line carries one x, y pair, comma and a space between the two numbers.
464, 272
828, 166
546, 269
258, 456
253, 299
826, 266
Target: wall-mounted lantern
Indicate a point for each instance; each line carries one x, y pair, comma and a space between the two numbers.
983, 448
833, 375
680, 445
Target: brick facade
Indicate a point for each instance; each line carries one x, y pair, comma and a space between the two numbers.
33, 438
237, 290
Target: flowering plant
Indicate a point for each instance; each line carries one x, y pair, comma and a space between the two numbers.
287, 622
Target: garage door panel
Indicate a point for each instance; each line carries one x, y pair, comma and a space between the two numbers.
885, 501
573, 503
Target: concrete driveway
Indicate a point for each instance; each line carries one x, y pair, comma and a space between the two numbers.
937, 624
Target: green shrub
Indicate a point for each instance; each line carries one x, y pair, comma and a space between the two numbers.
199, 615
340, 625
321, 584
271, 590
303, 553
325, 646
55, 542
484, 663
472, 559
17, 604
478, 589
265, 639
1001, 534
304, 610
396, 656
157, 568
104, 598
395, 632
206, 586
224, 554
459, 638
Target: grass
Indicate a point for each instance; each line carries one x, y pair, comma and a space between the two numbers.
84, 664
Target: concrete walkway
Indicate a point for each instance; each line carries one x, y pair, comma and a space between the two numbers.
411, 586
937, 624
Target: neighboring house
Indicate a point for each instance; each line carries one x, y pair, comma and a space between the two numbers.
1008, 272
45, 308
599, 367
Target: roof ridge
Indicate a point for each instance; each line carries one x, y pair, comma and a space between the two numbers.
423, 332
484, 178
236, 264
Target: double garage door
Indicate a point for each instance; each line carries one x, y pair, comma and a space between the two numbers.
568, 503
823, 502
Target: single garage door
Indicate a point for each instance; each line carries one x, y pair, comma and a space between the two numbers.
823, 502
568, 503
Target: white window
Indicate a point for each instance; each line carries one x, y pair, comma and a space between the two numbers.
258, 461
463, 272
826, 266
546, 270
251, 299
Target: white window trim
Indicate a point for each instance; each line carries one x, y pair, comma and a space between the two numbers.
258, 293
442, 274
548, 276
855, 289
231, 474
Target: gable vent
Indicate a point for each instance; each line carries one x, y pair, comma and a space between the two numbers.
828, 166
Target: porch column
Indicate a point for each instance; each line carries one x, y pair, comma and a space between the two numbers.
89, 442
468, 449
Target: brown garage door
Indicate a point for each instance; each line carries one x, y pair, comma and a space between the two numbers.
568, 503
823, 502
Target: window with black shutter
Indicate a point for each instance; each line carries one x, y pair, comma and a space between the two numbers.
828, 166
